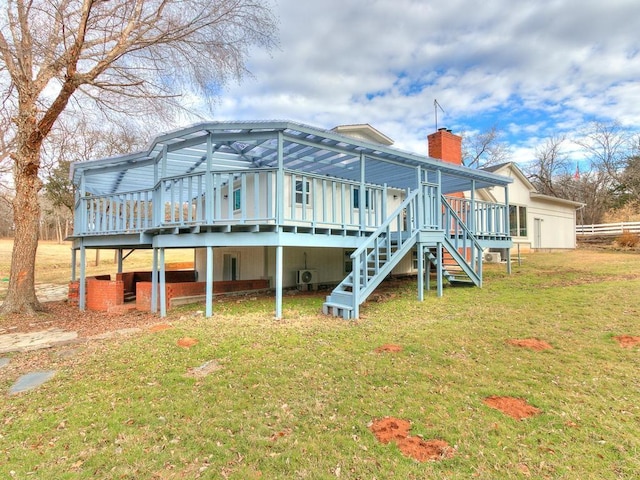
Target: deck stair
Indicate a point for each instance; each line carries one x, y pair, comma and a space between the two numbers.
374, 260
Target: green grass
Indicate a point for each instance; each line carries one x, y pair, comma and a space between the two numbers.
294, 398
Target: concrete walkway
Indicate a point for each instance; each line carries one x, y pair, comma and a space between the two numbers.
46, 292
13, 342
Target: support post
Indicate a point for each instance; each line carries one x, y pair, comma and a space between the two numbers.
163, 286
154, 282
119, 260
209, 286
362, 197
428, 272
439, 270
82, 290
420, 255
279, 273
73, 264
280, 183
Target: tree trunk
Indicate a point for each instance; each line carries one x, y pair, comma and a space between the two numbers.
21, 293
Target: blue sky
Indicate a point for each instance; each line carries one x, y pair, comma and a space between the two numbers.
531, 68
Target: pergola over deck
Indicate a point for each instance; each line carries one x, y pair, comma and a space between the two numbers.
187, 182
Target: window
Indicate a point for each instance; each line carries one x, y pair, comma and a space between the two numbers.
302, 192
414, 259
237, 203
517, 221
356, 198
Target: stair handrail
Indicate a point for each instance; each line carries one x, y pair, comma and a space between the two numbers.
476, 262
385, 225
356, 257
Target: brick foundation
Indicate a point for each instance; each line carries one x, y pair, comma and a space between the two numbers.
102, 295
191, 289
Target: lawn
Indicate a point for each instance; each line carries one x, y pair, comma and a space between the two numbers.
295, 398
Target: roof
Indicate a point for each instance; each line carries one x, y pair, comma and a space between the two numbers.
241, 145
532, 189
363, 131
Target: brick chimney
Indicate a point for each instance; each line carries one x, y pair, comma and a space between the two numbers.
446, 146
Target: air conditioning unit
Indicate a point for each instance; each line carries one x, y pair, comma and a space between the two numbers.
307, 277
492, 257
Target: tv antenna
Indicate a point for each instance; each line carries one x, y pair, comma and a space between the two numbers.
437, 106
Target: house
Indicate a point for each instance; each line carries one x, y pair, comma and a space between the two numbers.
537, 222
277, 204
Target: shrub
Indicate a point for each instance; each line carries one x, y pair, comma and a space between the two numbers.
628, 239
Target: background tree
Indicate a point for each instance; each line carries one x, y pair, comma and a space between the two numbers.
484, 149
109, 57
550, 171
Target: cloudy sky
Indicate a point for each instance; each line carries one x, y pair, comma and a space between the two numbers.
532, 68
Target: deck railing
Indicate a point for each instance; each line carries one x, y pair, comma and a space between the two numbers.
489, 219
252, 196
237, 197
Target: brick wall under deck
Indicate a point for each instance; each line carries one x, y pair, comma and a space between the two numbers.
190, 289
103, 295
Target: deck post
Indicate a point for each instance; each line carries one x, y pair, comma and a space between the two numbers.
154, 281
209, 285
362, 198
279, 272
472, 213
73, 264
280, 182
507, 226
208, 184
119, 260
420, 254
163, 286
82, 290
428, 272
439, 270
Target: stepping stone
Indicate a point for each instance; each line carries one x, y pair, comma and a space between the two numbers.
4, 362
31, 381
12, 342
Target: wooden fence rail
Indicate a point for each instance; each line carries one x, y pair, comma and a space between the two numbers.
608, 228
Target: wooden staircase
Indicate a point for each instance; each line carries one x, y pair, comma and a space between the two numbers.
373, 261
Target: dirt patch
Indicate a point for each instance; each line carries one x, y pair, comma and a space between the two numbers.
68, 317
532, 343
424, 450
390, 429
187, 342
160, 327
388, 347
514, 407
627, 341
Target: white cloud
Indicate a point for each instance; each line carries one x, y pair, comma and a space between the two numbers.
530, 68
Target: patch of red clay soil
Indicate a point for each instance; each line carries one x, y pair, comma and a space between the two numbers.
532, 343
424, 450
627, 341
388, 347
390, 429
160, 327
514, 407
187, 342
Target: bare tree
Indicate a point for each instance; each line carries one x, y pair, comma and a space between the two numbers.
484, 149
550, 170
606, 147
117, 56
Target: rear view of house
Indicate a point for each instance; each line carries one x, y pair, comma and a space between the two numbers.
282, 204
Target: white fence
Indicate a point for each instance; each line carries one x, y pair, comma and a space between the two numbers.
608, 228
